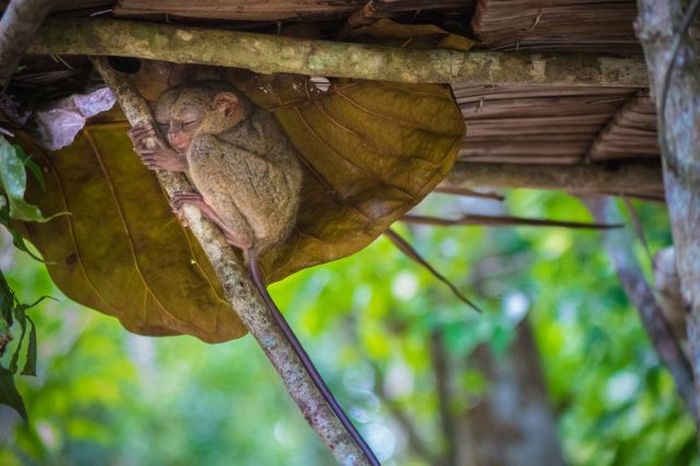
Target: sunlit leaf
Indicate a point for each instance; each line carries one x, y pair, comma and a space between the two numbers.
13, 178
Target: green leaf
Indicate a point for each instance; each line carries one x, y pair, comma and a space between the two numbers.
30, 364
9, 395
13, 177
7, 300
22, 319
31, 165
17, 238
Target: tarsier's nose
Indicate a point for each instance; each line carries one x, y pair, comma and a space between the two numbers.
178, 141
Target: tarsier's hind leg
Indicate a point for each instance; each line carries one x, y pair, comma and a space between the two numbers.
179, 199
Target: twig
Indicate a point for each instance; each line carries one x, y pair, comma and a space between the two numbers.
18, 25
242, 294
267, 53
405, 247
503, 221
468, 192
618, 245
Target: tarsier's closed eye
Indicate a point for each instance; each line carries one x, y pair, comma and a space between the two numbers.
164, 128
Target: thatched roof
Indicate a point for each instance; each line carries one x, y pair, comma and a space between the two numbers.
506, 124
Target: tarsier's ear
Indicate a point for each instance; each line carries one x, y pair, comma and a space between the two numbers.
226, 101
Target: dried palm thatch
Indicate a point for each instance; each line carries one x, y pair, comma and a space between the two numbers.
631, 133
279, 10
552, 25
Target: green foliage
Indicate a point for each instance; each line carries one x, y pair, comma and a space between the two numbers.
103, 396
13, 182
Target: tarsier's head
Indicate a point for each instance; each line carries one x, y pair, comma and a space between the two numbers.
203, 107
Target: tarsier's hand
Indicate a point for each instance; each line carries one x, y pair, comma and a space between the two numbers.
162, 157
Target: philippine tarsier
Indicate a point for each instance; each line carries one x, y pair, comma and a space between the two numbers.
248, 179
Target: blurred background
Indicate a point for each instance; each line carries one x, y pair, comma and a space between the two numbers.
557, 370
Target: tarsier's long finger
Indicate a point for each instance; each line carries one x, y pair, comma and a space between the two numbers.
142, 134
142, 151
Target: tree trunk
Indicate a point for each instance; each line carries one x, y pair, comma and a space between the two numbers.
663, 31
512, 425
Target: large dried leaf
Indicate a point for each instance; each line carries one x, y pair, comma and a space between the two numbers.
371, 151
121, 251
388, 32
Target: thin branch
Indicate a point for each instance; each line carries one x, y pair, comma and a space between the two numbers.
467, 192
625, 178
503, 221
264, 53
18, 25
242, 294
410, 252
618, 245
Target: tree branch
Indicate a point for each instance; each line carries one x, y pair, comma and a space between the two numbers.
662, 28
502, 221
18, 25
265, 53
626, 178
617, 243
242, 294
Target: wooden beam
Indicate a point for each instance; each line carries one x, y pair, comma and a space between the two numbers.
624, 178
265, 53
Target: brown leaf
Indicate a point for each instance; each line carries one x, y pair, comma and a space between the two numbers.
121, 251
371, 150
387, 32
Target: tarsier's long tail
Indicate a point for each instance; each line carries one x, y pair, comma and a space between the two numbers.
306, 361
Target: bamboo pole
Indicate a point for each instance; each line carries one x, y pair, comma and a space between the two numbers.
242, 294
265, 53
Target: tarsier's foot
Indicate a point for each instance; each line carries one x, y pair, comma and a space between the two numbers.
181, 199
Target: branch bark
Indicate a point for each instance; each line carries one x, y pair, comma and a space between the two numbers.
242, 294
617, 243
265, 53
18, 25
666, 42
626, 178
